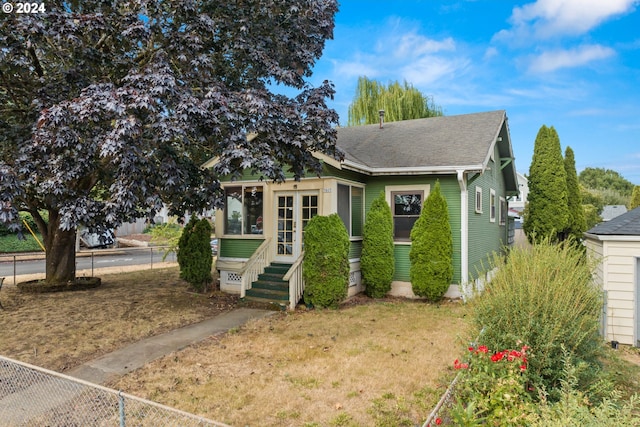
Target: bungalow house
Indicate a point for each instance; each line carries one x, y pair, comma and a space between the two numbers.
616, 245
261, 228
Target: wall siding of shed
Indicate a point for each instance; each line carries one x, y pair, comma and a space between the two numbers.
620, 281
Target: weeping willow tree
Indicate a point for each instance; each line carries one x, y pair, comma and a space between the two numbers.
399, 102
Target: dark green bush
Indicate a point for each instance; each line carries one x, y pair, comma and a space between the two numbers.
194, 253
544, 297
326, 261
377, 261
4, 230
431, 252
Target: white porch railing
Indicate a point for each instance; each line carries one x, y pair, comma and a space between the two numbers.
296, 282
255, 265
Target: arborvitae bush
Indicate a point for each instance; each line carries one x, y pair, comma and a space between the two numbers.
194, 253
544, 297
431, 252
326, 261
377, 262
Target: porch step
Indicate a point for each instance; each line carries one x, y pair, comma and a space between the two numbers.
270, 288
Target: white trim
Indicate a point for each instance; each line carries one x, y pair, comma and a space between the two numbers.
464, 226
478, 192
389, 189
416, 170
612, 237
492, 205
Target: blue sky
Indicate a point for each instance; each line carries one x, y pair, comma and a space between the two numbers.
571, 64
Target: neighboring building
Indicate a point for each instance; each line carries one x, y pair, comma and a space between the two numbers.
471, 156
616, 244
611, 211
518, 202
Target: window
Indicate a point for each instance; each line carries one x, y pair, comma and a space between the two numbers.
503, 211
243, 210
406, 209
478, 200
351, 208
492, 206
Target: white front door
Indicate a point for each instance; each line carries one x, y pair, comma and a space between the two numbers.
293, 210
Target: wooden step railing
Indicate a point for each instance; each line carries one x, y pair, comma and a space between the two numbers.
296, 282
255, 265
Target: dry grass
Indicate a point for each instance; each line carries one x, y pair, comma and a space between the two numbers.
369, 363
59, 331
376, 364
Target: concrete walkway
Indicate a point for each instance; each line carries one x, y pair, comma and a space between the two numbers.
134, 356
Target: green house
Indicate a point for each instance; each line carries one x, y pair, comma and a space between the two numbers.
261, 229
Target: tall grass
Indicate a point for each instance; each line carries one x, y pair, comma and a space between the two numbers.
544, 297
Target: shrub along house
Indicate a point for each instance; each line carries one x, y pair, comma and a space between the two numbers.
261, 229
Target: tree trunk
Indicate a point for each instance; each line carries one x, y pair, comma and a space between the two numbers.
61, 252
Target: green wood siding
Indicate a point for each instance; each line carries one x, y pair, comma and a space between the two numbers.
355, 249
238, 248
403, 265
450, 190
485, 237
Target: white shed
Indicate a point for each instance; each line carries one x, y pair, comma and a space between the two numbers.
617, 244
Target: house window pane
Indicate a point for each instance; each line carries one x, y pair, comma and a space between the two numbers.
357, 211
253, 210
233, 210
492, 207
406, 210
402, 227
343, 206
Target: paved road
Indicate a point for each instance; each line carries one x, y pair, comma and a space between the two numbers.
86, 260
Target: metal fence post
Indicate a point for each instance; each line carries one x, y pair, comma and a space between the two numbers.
14, 270
92, 264
151, 258
121, 408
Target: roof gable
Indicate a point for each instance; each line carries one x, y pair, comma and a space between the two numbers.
627, 224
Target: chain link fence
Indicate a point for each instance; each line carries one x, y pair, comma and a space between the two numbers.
32, 396
20, 267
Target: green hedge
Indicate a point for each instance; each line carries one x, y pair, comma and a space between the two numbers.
326, 261
431, 252
194, 253
377, 261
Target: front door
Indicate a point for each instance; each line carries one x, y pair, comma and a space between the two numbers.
293, 210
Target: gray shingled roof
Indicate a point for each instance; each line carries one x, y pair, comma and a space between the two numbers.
463, 140
627, 224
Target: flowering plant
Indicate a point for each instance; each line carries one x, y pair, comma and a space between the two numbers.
492, 389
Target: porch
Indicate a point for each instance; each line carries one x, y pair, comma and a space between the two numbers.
264, 278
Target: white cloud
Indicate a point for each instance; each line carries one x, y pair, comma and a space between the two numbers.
553, 60
548, 18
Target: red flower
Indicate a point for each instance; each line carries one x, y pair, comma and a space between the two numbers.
483, 349
438, 421
471, 348
523, 368
497, 356
458, 365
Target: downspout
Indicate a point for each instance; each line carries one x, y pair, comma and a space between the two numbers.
464, 228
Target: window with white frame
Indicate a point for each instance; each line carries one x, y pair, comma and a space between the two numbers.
492, 206
406, 208
503, 211
243, 210
478, 200
351, 208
